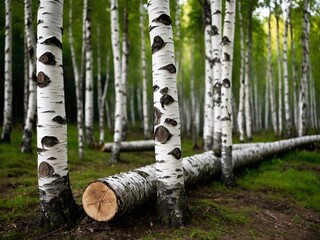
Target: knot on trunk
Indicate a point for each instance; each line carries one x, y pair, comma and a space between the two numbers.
43, 80
163, 18
157, 44
162, 134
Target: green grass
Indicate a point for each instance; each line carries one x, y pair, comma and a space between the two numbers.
295, 175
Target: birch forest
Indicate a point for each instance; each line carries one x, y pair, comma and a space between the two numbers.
125, 119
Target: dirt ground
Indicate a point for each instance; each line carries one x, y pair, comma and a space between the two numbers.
268, 219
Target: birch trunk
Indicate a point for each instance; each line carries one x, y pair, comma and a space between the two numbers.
216, 10
121, 193
208, 100
31, 45
171, 197
99, 90
248, 110
285, 72
226, 93
266, 107
124, 73
271, 82
26, 78
130, 146
294, 78
280, 94
57, 206
115, 39
89, 81
146, 129
242, 80
78, 87
303, 107
7, 109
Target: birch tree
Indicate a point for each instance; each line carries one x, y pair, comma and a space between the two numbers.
294, 77
285, 71
124, 73
31, 46
171, 197
226, 93
78, 87
280, 95
88, 80
115, 39
216, 10
25, 77
242, 82
7, 109
146, 129
303, 106
57, 206
208, 100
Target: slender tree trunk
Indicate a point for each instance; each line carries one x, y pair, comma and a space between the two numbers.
115, 39
294, 77
303, 106
7, 109
313, 110
193, 98
270, 80
78, 87
280, 95
242, 80
216, 10
89, 113
146, 129
285, 72
124, 73
132, 110
226, 93
57, 206
266, 107
171, 197
31, 45
208, 99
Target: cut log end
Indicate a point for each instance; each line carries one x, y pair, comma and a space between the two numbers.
99, 201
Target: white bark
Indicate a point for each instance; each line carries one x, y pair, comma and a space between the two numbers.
241, 78
7, 109
26, 78
115, 39
171, 198
294, 78
146, 129
142, 145
208, 98
131, 189
124, 73
78, 87
216, 11
226, 92
303, 106
271, 82
247, 106
99, 89
267, 101
280, 92
89, 107
285, 72
57, 205
31, 45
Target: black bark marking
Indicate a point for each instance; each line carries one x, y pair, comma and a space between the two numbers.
53, 41
215, 30
227, 57
41, 150
152, 27
48, 58
31, 52
171, 121
170, 67
226, 83
157, 116
163, 18
43, 80
45, 170
49, 141
40, 21
52, 158
176, 153
157, 44
166, 99
155, 88
164, 90
162, 134
59, 120
225, 40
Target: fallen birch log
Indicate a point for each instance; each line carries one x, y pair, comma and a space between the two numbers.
148, 145
130, 146
121, 193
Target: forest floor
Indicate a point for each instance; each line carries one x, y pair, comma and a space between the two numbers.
278, 198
